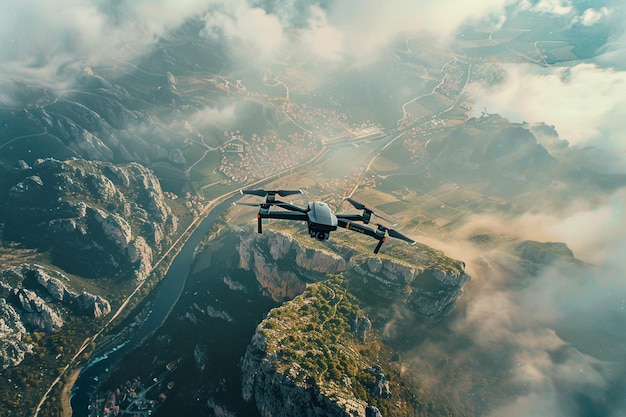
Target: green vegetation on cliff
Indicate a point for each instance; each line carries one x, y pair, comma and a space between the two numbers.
314, 341
310, 336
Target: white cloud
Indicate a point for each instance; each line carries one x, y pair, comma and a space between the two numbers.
596, 234
558, 7
250, 31
41, 39
213, 116
585, 103
591, 17
321, 38
369, 25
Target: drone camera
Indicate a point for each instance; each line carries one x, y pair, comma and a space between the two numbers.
319, 235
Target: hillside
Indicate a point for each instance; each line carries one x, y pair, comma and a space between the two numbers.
316, 356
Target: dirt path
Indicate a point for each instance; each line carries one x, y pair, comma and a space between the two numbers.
66, 394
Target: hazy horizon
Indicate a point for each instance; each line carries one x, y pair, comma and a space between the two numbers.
564, 311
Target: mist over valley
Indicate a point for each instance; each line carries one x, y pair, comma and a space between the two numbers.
491, 134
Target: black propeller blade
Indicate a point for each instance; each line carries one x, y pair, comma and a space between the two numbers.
391, 233
266, 193
395, 234
356, 204
270, 199
367, 212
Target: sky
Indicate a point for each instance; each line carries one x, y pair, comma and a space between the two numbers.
46, 43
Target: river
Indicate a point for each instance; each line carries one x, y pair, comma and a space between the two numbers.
167, 294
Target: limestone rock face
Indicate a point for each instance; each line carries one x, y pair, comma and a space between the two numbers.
276, 395
140, 254
266, 255
54, 286
96, 218
35, 312
431, 292
38, 301
94, 305
13, 349
115, 228
88, 304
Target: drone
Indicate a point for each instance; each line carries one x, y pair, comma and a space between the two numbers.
320, 218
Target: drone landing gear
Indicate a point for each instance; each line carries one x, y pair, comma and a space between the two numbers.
380, 243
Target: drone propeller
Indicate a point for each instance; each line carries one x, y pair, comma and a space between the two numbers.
237, 203
394, 233
270, 195
270, 200
367, 212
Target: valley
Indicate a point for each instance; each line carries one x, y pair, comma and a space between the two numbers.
108, 169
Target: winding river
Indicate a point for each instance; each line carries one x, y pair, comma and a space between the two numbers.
167, 294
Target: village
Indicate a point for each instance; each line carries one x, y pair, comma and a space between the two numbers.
134, 397
248, 159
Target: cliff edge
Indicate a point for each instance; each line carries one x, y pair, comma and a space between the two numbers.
428, 284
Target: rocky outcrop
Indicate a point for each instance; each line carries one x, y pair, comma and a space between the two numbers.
86, 304
35, 312
430, 291
200, 358
266, 255
13, 347
276, 395
38, 302
304, 358
93, 305
96, 218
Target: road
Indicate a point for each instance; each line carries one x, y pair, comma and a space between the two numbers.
176, 245
179, 242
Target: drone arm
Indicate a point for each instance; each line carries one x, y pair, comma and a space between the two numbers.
289, 206
350, 216
341, 222
277, 215
283, 215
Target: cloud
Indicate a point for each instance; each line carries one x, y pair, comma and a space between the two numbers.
250, 31
366, 27
591, 17
43, 41
554, 336
596, 234
210, 116
585, 102
321, 38
557, 7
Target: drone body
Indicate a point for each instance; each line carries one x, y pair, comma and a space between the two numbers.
320, 218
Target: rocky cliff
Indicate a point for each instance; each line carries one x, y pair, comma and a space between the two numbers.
303, 360
317, 354
265, 255
96, 218
277, 395
283, 266
34, 298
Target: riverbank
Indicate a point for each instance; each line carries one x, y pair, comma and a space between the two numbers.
167, 294
66, 393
